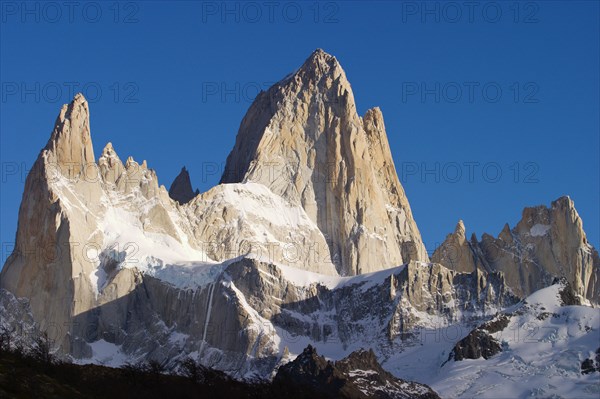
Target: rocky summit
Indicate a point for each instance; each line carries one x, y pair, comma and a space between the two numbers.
545, 243
304, 140
308, 240
181, 189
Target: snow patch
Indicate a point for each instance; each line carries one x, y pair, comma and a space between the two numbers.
543, 347
539, 230
105, 353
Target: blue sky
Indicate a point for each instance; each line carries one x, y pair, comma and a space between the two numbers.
488, 109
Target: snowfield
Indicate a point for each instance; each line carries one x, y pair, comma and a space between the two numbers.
543, 347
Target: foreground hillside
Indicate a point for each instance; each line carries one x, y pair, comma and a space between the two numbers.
546, 346
23, 377
37, 374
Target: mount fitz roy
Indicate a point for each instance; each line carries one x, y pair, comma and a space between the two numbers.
308, 240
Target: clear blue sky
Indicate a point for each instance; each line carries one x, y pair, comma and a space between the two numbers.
177, 78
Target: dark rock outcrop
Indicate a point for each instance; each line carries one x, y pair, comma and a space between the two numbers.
357, 376
591, 365
568, 296
475, 345
479, 342
181, 189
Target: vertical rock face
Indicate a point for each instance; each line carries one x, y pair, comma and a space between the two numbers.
458, 253
181, 188
546, 243
48, 258
70, 143
305, 141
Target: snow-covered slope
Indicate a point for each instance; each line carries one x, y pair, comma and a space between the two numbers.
543, 344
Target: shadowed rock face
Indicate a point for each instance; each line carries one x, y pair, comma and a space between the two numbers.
17, 327
305, 141
181, 188
546, 244
357, 376
591, 364
479, 342
475, 345
568, 296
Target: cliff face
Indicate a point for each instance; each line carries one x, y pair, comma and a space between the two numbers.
246, 316
305, 141
545, 244
48, 258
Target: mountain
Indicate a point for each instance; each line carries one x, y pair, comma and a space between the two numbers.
546, 243
304, 140
129, 273
243, 277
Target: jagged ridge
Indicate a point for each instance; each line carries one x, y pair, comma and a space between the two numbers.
201, 277
547, 243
